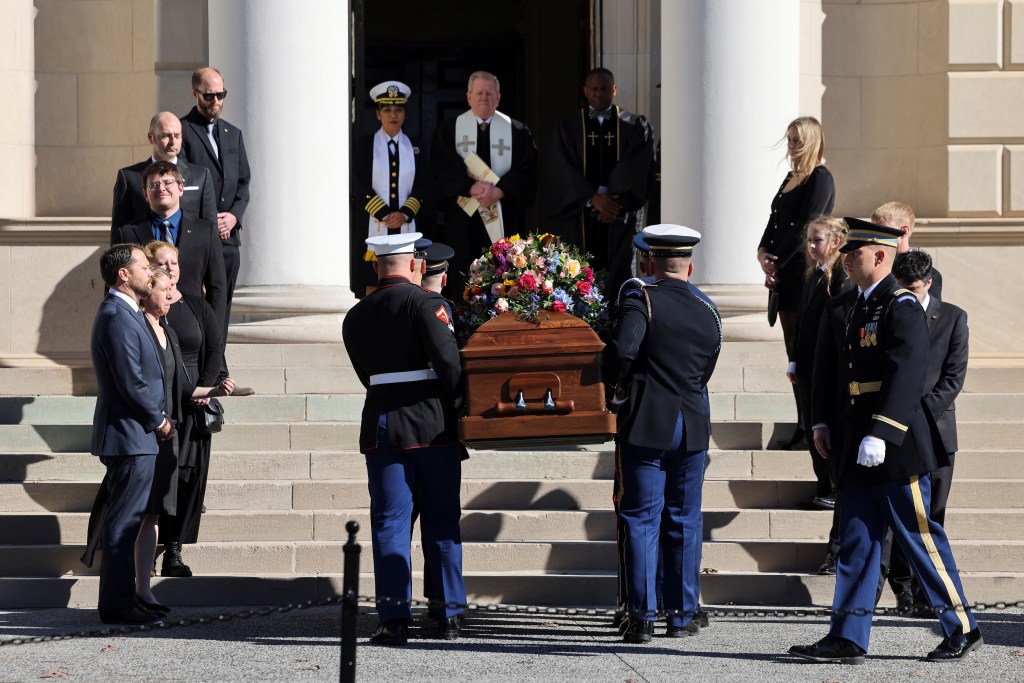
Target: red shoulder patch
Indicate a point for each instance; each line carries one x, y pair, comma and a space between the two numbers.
442, 315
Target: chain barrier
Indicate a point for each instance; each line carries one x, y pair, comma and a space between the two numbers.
722, 612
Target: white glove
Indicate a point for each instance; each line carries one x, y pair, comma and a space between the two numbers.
871, 452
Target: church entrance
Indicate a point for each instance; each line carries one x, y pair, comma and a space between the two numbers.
538, 49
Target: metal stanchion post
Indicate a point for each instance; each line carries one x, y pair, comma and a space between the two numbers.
350, 605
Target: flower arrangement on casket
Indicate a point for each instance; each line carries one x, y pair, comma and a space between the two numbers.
526, 276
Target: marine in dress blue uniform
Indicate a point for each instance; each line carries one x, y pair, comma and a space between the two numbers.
405, 355
884, 457
665, 347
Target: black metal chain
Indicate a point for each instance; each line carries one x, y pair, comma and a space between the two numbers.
367, 600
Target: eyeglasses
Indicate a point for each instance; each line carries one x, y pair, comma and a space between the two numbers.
165, 184
211, 96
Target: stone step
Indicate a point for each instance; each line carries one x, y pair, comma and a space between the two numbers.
747, 435
725, 407
47, 528
479, 494
315, 557
324, 369
591, 462
590, 589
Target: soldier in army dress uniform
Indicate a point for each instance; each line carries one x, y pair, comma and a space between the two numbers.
666, 344
885, 454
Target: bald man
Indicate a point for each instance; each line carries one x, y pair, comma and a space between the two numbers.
199, 200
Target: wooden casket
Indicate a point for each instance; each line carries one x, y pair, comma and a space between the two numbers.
534, 384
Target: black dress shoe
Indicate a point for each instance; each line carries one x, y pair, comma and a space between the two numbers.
129, 617
700, 617
830, 650
905, 603
391, 633
957, 646
154, 607
828, 565
449, 629
691, 629
638, 631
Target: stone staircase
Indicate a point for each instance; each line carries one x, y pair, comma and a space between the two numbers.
537, 526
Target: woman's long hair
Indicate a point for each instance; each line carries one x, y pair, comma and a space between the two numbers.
811, 152
835, 232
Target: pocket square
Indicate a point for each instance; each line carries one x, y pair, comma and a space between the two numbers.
191, 187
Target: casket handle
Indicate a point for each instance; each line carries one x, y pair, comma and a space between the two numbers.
534, 392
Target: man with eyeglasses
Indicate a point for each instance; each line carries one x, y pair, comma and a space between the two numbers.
210, 141
202, 265
165, 136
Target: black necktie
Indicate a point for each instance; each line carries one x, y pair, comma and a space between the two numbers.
165, 232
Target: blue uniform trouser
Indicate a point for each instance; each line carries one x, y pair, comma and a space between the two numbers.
435, 475
904, 505
661, 499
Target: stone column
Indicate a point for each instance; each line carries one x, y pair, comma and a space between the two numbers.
286, 69
730, 74
17, 116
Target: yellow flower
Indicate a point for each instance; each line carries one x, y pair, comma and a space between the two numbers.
573, 266
507, 285
514, 238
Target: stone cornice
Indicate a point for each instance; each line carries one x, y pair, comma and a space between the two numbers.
56, 231
975, 232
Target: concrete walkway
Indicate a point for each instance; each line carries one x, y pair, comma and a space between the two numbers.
303, 646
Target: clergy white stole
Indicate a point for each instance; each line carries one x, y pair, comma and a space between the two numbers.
380, 178
466, 128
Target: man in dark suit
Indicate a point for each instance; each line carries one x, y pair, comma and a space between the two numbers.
884, 459
947, 370
210, 141
197, 242
665, 347
128, 420
130, 204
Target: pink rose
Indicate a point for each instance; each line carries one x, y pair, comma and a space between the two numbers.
547, 287
558, 307
496, 289
528, 282
513, 293
583, 287
588, 273
501, 306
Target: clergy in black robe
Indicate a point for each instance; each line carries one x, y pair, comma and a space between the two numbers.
603, 170
517, 168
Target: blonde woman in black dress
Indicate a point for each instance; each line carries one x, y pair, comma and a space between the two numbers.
807, 191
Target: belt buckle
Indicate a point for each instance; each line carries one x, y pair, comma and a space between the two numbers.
854, 388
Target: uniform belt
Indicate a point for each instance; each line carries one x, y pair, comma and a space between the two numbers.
399, 377
858, 388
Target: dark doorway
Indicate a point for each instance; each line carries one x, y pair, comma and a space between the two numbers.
538, 49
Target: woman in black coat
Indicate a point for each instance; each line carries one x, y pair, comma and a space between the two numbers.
198, 333
807, 191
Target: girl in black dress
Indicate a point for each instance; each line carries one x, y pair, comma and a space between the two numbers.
807, 191
197, 331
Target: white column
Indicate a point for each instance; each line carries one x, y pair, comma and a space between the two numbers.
17, 116
286, 69
730, 82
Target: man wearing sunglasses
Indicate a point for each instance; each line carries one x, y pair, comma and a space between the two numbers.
210, 141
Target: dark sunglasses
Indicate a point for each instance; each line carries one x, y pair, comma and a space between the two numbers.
211, 96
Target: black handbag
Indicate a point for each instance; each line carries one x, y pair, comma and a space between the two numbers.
773, 307
210, 418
